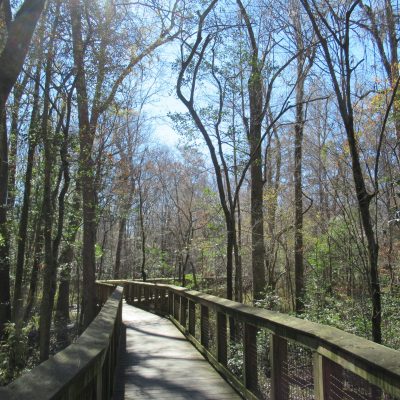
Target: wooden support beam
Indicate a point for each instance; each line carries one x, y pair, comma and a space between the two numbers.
192, 318
183, 311
204, 326
279, 371
222, 343
250, 358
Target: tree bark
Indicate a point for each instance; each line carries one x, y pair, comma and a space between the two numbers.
24, 218
19, 91
5, 306
12, 57
50, 246
302, 70
121, 232
86, 138
255, 88
66, 259
142, 234
37, 258
343, 95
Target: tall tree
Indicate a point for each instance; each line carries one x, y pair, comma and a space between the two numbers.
12, 57
304, 64
257, 113
342, 85
89, 113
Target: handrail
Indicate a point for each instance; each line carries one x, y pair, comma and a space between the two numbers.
83, 370
339, 359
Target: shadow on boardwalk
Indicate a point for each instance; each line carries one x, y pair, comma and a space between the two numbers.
157, 362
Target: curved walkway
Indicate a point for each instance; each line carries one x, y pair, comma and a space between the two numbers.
157, 362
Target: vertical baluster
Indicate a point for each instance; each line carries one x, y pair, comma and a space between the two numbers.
99, 385
183, 313
250, 358
163, 307
170, 303
204, 326
127, 293
222, 351
176, 306
156, 299
192, 318
151, 297
279, 372
135, 292
106, 364
318, 376
328, 378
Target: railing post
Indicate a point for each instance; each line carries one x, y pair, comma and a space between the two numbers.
146, 296
105, 373
139, 294
279, 372
327, 377
318, 376
163, 302
170, 303
222, 346
127, 292
250, 358
176, 306
156, 299
99, 385
192, 318
183, 309
133, 292
204, 326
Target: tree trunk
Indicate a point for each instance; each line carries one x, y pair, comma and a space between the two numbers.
24, 217
12, 162
143, 235
364, 199
298, 158
5, 306
12, 58
255, 88
89, 200
61, 317
121, 232
50, 247
343, 95
66, 259
238, 243
37, 258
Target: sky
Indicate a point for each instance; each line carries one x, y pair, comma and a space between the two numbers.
163, 131
165, 100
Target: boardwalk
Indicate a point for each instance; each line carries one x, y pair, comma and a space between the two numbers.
157, 362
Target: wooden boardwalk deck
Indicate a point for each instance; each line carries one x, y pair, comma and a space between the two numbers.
157, 362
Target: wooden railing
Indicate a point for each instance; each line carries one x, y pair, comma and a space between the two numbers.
300, 359
85, 369
279, 357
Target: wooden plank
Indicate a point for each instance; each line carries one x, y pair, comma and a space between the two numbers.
157, 362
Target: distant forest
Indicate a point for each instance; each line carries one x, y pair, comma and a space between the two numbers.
283, 191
